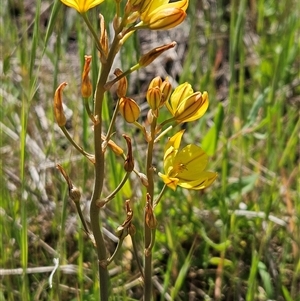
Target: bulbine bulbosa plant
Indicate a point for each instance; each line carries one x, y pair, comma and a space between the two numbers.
181, 166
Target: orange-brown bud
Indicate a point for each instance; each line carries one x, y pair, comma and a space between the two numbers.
113, 146
103, 39
122, 84
58, 106
154, 96
149, 57
166, 89
126, 228
86, 85
129, 109
129, 161
156, 82
149, 214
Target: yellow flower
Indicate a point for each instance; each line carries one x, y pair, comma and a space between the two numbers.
160, 14
82, 6
186, 105
185, 167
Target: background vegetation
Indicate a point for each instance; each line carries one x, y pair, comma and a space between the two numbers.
238, 240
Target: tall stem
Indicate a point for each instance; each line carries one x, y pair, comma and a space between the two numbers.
99, 173
149, 232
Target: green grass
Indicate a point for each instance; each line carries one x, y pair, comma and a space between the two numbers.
238, 239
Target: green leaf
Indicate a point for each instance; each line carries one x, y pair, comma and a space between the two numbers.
266, 279
286, 294
52, 20
210, 140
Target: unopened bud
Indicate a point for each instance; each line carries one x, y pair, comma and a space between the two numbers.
86, 85
75, 194
166, 19
129, 109
192, 108
149, 57
149, 215
122, 84
154, 96
143, 179
131, 229
115, 148
156, 82
121, 232
103, 39
58, 106
166, 89
150, 116
129, 161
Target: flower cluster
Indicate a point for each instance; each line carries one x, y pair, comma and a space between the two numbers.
153, 14
185, 167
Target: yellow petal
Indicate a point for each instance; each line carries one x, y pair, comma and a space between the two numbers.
174, 141
180, 93
169, 181
205, 180
165, 19
191, 161
82, 6
192, 108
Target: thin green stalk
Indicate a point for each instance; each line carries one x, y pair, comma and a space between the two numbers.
116, 252
79, 211
78, 147
135, 252
157, 200
94, 34
118, 188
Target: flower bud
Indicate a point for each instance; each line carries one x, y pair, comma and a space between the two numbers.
122, 232
154, 96
129, 161
149, 57
133, 5
166, 89
113, 146
150, 116
131, 229
166, 19
143, 179
192, 108
122, 84
103, 39
58, 106
74, 194
129, 109
149, 215
156, 82
86, 85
